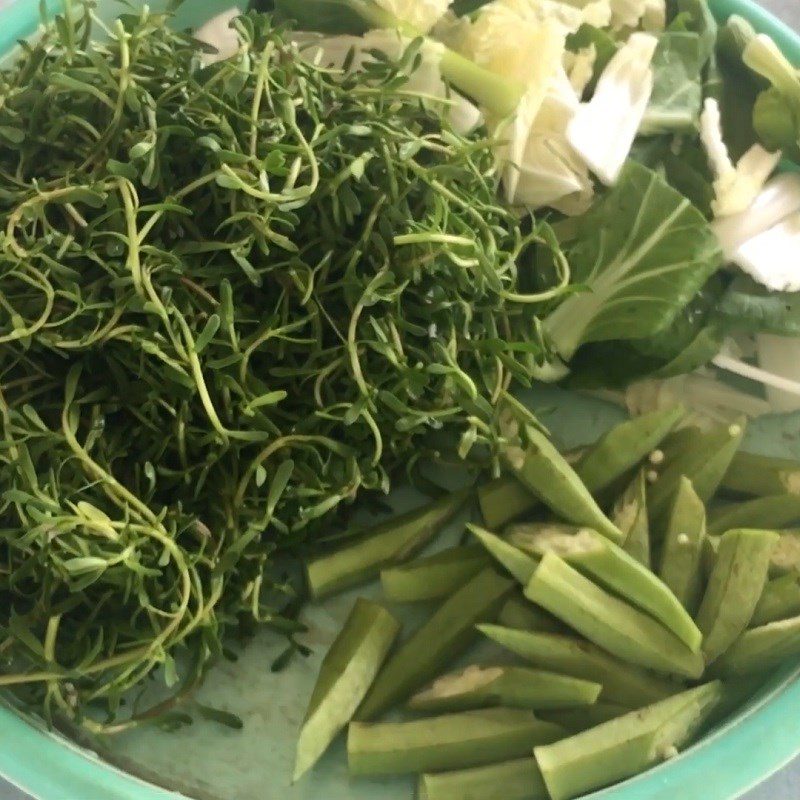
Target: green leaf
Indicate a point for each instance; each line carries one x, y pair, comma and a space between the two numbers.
677, 90
642, 252
695, 16
750, 307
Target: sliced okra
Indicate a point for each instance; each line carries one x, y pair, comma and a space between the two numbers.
510, 780
434, 577
600, 558
761, 649
625, 746
576, 720
734, 588
625, 446
347, 672
389, 543
762, 475
506, 686
622, 683
630, 516
682, 552
774, 512
524, 615
546, 473
609, 622
704, 461
786, 555
451, 741
517, 563
779, 600
504, 499
448, 632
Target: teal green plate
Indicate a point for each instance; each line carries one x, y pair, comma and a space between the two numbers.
208, 761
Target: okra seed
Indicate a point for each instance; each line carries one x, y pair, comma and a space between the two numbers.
652, 476
657, 457
683, 539
735, 430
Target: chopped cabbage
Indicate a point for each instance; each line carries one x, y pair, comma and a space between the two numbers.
736, 187
654, 18
419, 15
580, 67
604, 129
773, 257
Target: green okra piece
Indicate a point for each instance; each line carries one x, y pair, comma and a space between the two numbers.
543, 470
704, 461
434, 577
682, 553
625, 446
630, 516
451, 741
734, 588
786, 555
448, 632
519, 564
762, 476
510, 780
391, 542
519, 613
576, 720
609, 622
772, 513
347, 672
761, 649
622, 683
506, 686
504, 499
600, 558
625, 746
779, 600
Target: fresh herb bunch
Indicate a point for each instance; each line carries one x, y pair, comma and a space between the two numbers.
234, 297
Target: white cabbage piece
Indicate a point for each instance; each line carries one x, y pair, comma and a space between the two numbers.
773, 257
420, 15
580, 67
654, 18
218, 33
604, 129
779, 199
548, 172
736, 187
627, 13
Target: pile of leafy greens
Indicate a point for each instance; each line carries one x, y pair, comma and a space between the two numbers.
234, 298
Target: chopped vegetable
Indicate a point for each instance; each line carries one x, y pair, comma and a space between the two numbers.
786, 555
602, 131
736, 186
779, 600
622, 683
734, 588
519, 613
704, 461
625, 746
347, 672
388, 543
763, 476
774, 512
453, 741
520, 565
510, 780
611, 566
762, 649
576, 720
510, 687
609, 622
445, 635
682, 553
546, 473
630, 516
433, 577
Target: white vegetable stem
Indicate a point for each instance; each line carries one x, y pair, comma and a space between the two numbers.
604, 129
218, 33
736, 186
773, 257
